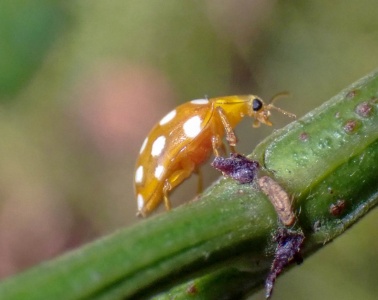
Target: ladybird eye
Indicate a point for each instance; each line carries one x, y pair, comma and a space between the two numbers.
257, 104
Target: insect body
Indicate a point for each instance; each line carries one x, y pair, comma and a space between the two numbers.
185, 138
279, 198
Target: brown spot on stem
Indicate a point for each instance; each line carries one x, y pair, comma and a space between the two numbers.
336, 209
351, 94
304, 136
351, 126
364, 109
192, 289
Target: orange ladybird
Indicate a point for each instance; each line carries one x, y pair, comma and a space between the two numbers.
185, 138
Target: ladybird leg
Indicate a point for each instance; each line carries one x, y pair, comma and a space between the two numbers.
167, 187
256, 123
217, 144
175, 179
230, 134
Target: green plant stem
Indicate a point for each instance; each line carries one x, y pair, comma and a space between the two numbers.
223, 242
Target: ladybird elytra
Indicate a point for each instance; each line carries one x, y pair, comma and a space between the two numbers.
185, 138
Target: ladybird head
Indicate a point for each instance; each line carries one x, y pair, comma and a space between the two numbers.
261, 111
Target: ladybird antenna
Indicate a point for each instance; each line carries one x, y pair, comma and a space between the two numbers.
274, 99
278, 96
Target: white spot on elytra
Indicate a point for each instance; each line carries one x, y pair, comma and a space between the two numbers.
159, 171
168, 117
200, 101
192, 127
143, 145
140, 200
139, 174
158, 146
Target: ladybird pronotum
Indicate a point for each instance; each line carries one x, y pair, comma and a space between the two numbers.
185, 138
279, 198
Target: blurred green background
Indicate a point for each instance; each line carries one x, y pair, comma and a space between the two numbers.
82, 83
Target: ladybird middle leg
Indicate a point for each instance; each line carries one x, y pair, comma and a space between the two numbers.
230, 134
175, 179
217, 144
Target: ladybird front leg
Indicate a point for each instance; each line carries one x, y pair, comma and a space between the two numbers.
230, 134
175, 179
257, 123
